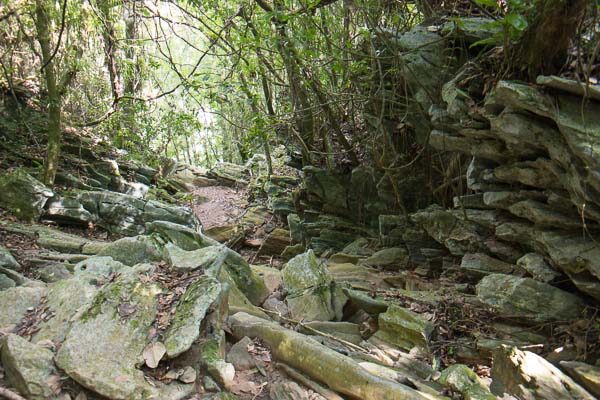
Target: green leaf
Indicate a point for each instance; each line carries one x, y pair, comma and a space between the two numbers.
517, 21
487, 3
484, 42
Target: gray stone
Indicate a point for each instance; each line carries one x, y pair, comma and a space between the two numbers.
287, 390
29, 368
536, 301
182, 236
275, 242
238, 302
480, 264
528, 376
292, 251
393, 258
133, 250
67, 209
65, 298
544, 216
97, 267
457, 235
536, 266
186, 261
463, 380
295, 227
7, 260
255, 216
359, 247
23, 195
239, 356
191, 310
404, 328
471, 29
104, 344
570, 253
309, 288
249, 283
326, 188
6, 282
13, 276
586, 375
270, 276
16, 301
125, 214
570, 86
359, 276
213, 360
54, 272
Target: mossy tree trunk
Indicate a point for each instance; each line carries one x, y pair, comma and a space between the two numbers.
54, 94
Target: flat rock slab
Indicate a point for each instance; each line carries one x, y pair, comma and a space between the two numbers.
14, 303
133, 250
393, 258
29, 368
185, 261
104, 345
537, 301
65, 298
182, 236
191, 310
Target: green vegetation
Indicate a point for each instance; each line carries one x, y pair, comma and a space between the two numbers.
204, 81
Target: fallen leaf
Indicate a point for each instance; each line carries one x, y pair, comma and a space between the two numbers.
153, 353
81, 396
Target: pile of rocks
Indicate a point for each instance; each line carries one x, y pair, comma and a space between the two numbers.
535, 201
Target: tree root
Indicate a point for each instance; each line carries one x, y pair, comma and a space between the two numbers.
339, 372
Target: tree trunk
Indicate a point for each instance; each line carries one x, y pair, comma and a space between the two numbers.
543, 47
54, 95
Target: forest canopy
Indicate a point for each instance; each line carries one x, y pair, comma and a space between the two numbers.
203, 81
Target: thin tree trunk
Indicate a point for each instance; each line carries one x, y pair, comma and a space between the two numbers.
54, 97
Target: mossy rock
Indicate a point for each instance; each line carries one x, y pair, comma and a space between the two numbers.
104, 345
23, 195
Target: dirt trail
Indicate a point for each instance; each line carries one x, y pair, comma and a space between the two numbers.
223, 205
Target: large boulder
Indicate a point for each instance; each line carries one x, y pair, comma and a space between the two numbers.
23, 195
125, 214
104, 345
29, 368
310, 288
535, 301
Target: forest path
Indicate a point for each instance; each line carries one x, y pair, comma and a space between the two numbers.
220, 205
